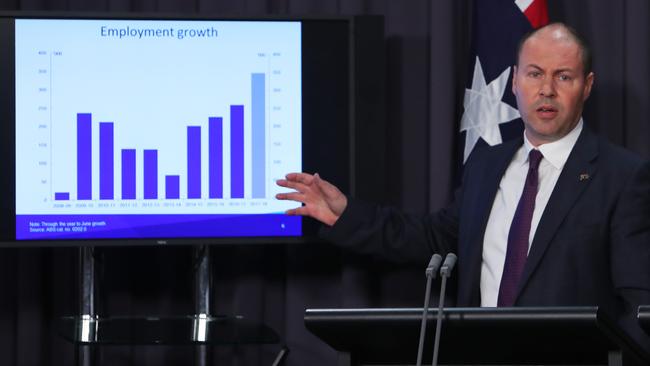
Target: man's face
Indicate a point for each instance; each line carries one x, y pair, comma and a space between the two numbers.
550, 85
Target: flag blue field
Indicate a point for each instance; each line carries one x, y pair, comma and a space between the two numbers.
490, 111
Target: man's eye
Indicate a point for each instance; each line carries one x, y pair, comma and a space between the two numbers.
534, 74
564, 77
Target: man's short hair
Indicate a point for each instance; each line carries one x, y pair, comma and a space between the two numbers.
585, 50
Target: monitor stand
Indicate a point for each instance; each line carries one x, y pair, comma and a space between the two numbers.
201, 330
202, 287
85, 353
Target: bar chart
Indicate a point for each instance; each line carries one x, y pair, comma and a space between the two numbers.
121, 123
150, 176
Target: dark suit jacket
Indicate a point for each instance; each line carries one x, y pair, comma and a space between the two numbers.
591, 247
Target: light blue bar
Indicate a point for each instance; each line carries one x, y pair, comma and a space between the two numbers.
258, 131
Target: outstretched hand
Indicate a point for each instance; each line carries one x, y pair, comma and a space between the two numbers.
322, 200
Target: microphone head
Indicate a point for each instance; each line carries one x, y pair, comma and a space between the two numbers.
433, 266
448, 265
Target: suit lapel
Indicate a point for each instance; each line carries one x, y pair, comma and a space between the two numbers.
576, 175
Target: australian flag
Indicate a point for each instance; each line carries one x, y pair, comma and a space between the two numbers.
490, 113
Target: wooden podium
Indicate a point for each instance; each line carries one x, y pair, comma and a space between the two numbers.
477, 336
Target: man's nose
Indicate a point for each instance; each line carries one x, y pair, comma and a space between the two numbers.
547, 89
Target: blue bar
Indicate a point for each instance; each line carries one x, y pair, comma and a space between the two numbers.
61, 196
84, 155
128, 174
106, 161
172, 187
215, 156
236, 151
150, 174
193, 162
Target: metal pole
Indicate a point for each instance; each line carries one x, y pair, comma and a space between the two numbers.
87, 331
202, 287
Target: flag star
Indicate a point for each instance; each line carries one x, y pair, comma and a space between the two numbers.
484, 110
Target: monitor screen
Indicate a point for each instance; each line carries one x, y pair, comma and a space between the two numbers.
155, 128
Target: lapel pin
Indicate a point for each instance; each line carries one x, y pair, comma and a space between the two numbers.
584, 176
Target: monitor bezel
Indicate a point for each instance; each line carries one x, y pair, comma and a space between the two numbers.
311, 163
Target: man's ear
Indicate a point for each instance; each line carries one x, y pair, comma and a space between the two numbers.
589, 82
514, 79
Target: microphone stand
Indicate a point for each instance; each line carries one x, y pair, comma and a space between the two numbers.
445, 272
430, 272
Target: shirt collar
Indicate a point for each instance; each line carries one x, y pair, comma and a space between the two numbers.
556, 152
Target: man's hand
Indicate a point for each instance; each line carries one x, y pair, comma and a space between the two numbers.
322, 200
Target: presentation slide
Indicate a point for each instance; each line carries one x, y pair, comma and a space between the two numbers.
155, 129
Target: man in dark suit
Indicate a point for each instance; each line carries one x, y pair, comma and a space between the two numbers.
558, 217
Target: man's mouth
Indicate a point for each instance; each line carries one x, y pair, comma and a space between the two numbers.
546, 108
546, 111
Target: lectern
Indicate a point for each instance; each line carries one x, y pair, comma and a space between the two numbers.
477, 336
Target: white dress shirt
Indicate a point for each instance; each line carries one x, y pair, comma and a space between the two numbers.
495, 241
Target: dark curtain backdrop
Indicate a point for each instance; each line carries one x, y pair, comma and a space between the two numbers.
427, 41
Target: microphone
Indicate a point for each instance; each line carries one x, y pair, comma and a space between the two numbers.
430, 272
445, 272
448, 265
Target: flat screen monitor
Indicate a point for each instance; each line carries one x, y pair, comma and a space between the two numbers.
161, 130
